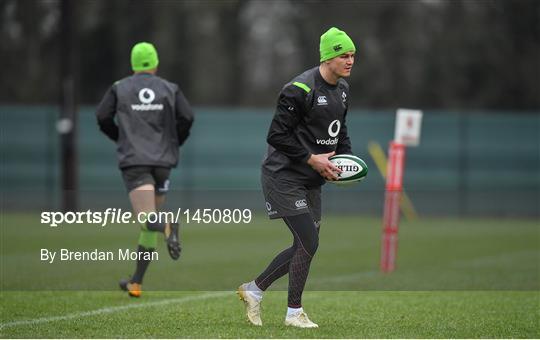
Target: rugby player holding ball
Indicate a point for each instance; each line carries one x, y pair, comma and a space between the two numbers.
308, 127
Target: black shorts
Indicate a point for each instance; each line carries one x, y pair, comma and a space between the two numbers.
135, 176
287, 198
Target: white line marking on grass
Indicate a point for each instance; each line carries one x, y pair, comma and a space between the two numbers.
115, 309
317, 281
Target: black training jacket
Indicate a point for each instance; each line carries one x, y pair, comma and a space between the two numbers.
309, 119
153, 119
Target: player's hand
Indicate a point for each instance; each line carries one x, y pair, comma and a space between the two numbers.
323, 166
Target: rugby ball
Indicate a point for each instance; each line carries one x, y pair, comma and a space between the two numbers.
353, 169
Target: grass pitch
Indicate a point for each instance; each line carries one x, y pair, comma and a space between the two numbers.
455, 279
220, 315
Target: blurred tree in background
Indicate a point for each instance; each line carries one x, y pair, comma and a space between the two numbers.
428, 53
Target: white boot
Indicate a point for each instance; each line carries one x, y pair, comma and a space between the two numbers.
300, 320
252, 304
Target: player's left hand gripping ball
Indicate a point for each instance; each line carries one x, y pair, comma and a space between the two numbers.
353, 169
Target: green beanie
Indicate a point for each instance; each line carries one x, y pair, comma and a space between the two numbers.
144, 57
334, 43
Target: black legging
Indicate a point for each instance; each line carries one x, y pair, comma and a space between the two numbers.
294, 260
